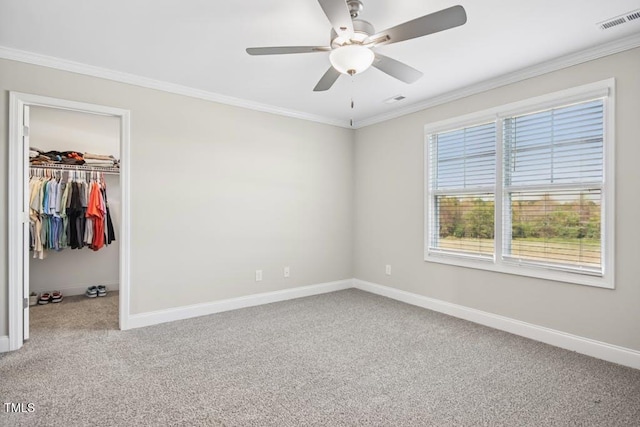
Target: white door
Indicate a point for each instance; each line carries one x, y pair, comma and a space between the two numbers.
25, 224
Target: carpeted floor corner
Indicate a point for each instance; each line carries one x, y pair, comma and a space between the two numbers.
348, 358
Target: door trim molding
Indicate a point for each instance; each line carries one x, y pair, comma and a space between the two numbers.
17, 169
15, 252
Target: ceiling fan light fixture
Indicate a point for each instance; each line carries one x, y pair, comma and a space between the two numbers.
352, 41
351, 59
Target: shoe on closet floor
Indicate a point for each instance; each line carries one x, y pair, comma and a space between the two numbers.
102, 291
56, 296
44, 298
92, 291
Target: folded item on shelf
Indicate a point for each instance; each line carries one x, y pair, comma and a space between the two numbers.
53, 155
71, 155
40, 160
33, 153
99, 157
102, 163
71, 161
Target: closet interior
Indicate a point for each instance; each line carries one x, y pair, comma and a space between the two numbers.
75, 207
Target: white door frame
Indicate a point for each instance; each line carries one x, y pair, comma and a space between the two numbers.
18, 164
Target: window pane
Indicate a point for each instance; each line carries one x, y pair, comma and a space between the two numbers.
561, 227
464, 158
464, 224
561, 145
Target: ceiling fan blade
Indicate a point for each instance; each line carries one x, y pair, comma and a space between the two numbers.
327, 80
282, 50
396, 69
439, 21
338, 14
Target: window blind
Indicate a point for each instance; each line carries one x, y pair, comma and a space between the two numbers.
465, 224
557, 146
462, 164
464, 158
553, 172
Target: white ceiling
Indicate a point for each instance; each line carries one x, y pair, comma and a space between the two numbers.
201, 44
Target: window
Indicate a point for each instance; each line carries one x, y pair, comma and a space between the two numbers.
522, 188
463, 181
552, 186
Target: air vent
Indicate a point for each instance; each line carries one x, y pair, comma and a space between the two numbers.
619, 20
394, 99
634, 15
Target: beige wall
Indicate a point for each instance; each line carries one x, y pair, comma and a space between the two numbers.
389, 216
216, 192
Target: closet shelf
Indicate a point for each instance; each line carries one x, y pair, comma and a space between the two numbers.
60, 166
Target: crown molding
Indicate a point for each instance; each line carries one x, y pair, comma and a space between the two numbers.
132, 79
555, 64
596, 52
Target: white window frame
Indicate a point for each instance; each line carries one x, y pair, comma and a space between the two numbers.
603, 89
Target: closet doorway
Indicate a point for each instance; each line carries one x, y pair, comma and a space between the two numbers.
53, 125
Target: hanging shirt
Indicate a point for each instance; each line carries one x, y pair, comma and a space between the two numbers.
96, 211
35, 186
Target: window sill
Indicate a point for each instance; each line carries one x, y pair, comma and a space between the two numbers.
605, 281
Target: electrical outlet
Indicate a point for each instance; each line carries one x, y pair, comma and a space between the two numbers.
387, 270
258, 275
287, 272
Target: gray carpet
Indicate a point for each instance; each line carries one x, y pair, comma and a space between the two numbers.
347, 358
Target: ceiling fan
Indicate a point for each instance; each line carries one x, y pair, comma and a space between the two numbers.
353, 40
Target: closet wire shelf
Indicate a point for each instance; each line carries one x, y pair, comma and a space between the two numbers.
57, 166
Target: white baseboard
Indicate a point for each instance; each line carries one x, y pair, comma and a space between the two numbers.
203, 309
4, 344
601, 350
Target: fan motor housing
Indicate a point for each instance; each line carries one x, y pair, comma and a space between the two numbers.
361, 30
355, 7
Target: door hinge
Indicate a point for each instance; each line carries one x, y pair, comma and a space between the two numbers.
25, 303
25, 131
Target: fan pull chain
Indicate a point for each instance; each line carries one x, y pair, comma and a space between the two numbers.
352, 103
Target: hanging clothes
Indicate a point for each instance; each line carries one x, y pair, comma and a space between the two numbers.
76, 217
68, 214
96, 215
111, 235
35, 221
